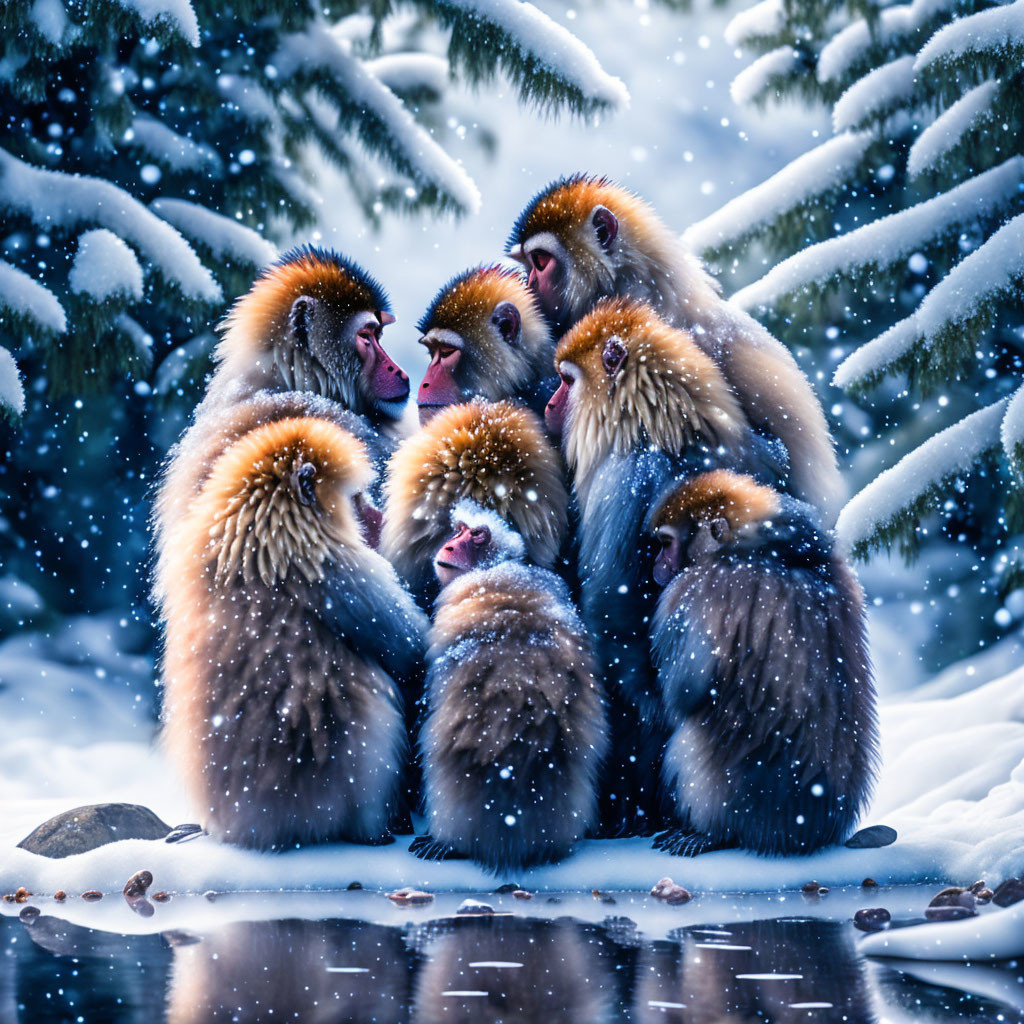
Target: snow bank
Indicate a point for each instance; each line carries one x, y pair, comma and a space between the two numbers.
823, 168
50, 20
760, 21
25, 296
949, 128
998, 935
891, 238
12, 394
54, 199
318, 50
173, 150
754, 80
224, 237
995, 268
995, 29
950, 452
552, 44
959, 819
1012, 431
176, 13
878, 92
105, 267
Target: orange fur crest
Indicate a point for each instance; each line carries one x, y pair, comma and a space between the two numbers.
719, 494
470, 299
667, 392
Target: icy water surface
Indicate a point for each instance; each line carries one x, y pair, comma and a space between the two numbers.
580, 959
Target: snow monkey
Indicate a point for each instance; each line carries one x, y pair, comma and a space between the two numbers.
515, 725
486, 336
493, 452
289, 642
309, 326
584, 238
759, 640
639, 404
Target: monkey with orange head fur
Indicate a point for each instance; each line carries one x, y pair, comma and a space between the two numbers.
759, 640
487, 338
639, 405
304, 340
291, 648
584, 239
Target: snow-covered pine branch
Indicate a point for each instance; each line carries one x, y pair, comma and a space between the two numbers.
887, 511
935, 145
12, 393
105, 268
25, 299
877, 246
381, 121
758, 82
936, 340
547, 63
784, 197
877, 95
223, 238
758, 24
410, 74
51, 199
1011, 433
176, 14
172, 151
981, 43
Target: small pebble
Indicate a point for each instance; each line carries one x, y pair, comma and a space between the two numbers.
354, 886
92, 895
474, 907
210, 895
137, 885
811, 886
954, 896
553, 899
411, 897
672, 894
522, 894
823, 890
602, 896
984, 896
1009, 892
21, 894
869, 883
162, 897
948, 913
977, 887
871, 919
60, 895
9, 897
29, 914
504, 890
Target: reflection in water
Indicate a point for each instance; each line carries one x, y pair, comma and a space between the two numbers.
753, 971
309, 971
500, 969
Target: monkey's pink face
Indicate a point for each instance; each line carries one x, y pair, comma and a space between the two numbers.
440, 387
462, 553
386, 380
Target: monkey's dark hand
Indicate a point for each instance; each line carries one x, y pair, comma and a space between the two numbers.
428, 848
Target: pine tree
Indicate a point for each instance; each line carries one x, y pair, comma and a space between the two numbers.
898, 246
151, 154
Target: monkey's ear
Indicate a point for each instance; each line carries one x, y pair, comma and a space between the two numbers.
606, 226
301, 315
506, 318
720, 529
614, 355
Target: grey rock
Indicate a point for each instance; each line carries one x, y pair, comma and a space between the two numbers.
948, 913
86, 828
871, 838
1009, 892
871, 919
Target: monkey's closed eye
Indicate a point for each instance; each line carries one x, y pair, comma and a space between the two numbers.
480, 534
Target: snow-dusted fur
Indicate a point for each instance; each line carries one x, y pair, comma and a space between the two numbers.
288, 645
649, 262
765, 676
491, 367
495, 453
515, 726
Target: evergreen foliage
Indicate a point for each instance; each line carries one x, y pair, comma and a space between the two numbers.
152, 152
897, 249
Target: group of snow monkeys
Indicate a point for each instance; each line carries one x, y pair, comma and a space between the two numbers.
597, 426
